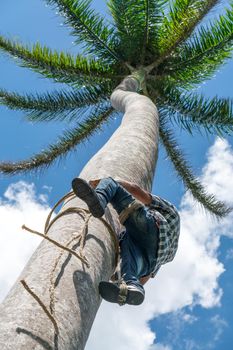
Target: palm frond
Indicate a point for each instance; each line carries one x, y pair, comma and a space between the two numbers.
60, 66
120, 13
184, 171
58, 105
197, 59
184, 16
65, 143
136, 22
89, 27
194, 111
156, 18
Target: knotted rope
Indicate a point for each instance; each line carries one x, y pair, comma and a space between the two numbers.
122, 297
79, 238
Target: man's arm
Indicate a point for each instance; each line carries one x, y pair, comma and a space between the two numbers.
137, 192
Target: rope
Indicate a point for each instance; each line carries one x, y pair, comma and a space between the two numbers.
53, 277
41, 304
122, 293
85, 214
81, 240
123, 216
59, 245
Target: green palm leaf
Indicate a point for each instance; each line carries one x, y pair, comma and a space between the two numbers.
89, 27
183, 17
56, 105
194, 111
62, 67
184, 171
65, 143
136, 22
200, 57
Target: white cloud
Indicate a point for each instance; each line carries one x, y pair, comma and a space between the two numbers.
160, 347
219, 325
19, 206
121, 328
191, 279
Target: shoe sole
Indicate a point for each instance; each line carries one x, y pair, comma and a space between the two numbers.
110, 292
83, 190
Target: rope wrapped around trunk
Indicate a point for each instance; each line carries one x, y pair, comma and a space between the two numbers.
79, 238
123, 216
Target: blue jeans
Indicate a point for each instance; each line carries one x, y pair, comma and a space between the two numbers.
140, 242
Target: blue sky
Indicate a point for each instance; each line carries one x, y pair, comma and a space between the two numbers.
190, 322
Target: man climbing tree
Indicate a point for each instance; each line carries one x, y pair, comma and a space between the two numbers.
151, 224
150, 238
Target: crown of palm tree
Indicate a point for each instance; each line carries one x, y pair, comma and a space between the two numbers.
162, 40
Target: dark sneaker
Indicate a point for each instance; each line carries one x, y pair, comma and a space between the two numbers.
113, 293
84, 191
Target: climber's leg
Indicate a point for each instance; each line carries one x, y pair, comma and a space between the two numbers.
108, 190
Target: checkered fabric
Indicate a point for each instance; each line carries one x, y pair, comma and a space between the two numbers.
168, 221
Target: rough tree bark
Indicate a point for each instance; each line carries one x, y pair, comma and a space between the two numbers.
130, 154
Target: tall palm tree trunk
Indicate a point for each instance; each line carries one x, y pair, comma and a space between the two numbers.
62, 282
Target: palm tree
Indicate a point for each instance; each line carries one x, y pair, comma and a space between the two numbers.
153, 52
